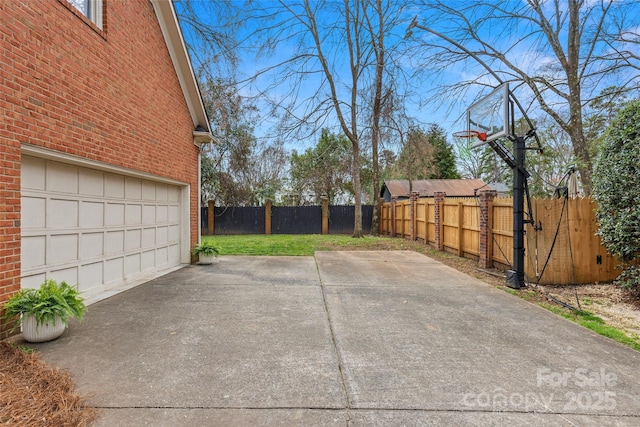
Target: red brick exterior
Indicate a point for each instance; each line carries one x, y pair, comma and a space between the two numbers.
109, 95
438, 199
486, 241
414, 197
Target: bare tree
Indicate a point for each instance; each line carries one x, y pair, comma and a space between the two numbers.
558, 54
337, 59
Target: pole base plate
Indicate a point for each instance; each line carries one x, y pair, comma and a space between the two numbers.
513, 281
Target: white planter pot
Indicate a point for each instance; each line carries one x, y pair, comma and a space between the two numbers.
32, 332
205, 259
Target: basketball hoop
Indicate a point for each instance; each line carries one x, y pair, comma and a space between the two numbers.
482, 136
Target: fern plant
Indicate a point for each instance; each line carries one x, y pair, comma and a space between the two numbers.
207, 248
47, 302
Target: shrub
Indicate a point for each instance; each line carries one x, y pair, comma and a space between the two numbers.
616, 189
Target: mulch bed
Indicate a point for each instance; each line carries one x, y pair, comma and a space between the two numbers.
33, 394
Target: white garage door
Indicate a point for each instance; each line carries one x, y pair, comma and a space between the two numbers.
97, 229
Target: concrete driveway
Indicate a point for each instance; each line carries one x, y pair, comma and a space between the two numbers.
342, 338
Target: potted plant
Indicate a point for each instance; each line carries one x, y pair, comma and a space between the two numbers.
206, 252
44, 312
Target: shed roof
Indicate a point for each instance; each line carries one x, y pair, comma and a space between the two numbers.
427, 187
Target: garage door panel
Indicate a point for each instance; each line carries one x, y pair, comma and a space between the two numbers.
148, 237
33, 212
162, 256
133, 215
91, 245
148, 214
91, 214
32, 248
62, 248
114, 214
91, 275
133, 239
173, 194
114, 242
69, 275
62, 213
174, 253
162, 234
174, 214
114, 269
62, 178
33, 280
148, 190
162, 213
114, 186
32, 174
161, 192
133, 189
132, 264
91, 183
174, 234
94, 228
148, 260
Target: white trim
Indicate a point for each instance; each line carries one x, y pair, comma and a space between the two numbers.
199, 198
185, 232
96, 13
45, 153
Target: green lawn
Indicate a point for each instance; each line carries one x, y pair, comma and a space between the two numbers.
299, 244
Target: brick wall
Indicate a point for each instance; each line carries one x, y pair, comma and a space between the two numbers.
109, 95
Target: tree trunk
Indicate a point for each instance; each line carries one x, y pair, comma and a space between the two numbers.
581, 152
357, 190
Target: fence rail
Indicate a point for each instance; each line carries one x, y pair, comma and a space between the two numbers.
565, 250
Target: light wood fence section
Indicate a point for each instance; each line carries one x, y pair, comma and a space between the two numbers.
461, 226
577, 257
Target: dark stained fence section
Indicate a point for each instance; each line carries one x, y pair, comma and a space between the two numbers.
239, 220
296, 220
341, 219
285, 220
204, 220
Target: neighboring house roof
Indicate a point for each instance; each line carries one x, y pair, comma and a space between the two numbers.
178, 51
427, 187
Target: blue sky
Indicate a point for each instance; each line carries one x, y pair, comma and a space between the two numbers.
447, 112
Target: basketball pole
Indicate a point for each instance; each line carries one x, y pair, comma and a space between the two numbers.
515, 277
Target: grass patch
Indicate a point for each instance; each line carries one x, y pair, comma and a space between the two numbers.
596, 324
301, 244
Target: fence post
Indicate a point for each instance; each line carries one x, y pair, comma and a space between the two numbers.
381, 210
210, 212
460, 229
394, 199
325, 215
438, 200
412, 213
486, 239
267, 217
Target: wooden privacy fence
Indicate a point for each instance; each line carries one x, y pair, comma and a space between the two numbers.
482, 228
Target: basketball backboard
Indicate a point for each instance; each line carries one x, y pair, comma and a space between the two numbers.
490, 114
